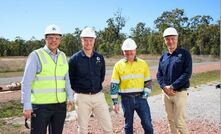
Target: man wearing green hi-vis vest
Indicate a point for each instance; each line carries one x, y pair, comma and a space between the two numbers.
46, 86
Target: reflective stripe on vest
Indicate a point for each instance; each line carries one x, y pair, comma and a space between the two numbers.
49, 85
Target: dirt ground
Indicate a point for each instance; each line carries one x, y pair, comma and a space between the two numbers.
160, 126
198, 68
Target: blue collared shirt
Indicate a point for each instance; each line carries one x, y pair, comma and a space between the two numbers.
175, 69
86, 73
33, 66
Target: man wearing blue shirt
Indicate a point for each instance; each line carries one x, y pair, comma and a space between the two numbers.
46, 86
87, 73
174, 72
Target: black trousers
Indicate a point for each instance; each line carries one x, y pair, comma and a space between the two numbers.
48, 114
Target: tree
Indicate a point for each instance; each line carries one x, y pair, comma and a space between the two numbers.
140, 34
4, 43
174, 18
110, 38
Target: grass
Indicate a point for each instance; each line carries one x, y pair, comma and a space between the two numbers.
10, 109
14, 108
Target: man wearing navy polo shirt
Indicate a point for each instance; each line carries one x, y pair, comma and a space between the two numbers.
87, 73
174, 72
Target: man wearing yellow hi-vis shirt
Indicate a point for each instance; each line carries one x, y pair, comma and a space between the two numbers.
131, 80
46, 86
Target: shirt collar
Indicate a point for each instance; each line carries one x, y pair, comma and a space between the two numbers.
49, 51
173, 52
83, 54
125, 60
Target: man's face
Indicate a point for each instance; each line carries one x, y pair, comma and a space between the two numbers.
88, 43
53, 41
130, 54
171, 42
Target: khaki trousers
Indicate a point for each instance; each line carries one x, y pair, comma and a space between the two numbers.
85, 104
175, 107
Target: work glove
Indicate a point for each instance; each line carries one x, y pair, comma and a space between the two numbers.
146, 93
115, 101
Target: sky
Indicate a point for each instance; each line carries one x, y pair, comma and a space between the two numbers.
29, 18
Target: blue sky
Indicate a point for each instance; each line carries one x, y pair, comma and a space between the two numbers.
27, 18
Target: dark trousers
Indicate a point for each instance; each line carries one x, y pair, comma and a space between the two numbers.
48, 114
140, 105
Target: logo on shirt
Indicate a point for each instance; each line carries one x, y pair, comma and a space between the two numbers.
98, 59
179, 55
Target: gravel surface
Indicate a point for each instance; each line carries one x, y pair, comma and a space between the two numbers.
203, 114
203, 110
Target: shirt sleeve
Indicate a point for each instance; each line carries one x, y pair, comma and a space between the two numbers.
147, 76
69, 91
103, 70
114, 86
115, 78
71, 71
30, 71
160, 75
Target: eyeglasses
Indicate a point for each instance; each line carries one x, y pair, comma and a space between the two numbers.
26, 124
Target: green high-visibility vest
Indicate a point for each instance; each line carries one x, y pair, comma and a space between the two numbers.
49, 85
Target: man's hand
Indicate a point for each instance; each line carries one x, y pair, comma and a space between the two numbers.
169, 91
70, 106
27, 113
116, 108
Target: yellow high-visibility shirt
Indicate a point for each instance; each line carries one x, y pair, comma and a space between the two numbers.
130, 76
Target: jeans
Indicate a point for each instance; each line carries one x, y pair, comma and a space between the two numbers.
48, 115
140, 105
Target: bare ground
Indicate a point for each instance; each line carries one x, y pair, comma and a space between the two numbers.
196, 126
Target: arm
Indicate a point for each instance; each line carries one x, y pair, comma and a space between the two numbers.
160, 75
114, 89
31, 68
69, 91
147, 88
71, 71
103, 70
29, 75
147, 82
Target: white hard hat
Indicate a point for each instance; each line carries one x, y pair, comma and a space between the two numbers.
170, 31
52, 29
129, 44
88, 32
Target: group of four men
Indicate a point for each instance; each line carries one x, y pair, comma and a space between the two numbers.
49, 79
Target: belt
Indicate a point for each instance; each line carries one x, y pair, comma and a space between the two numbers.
88, 93
131, 94
181, 89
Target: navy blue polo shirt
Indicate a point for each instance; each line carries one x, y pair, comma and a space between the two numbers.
86, 73
175, 69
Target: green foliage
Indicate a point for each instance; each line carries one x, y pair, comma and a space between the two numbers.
203, 78
196, 34
10, 109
